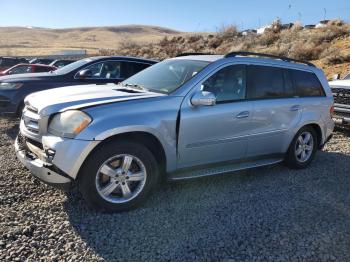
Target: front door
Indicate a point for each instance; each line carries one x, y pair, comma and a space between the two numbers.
103, 73
213, 134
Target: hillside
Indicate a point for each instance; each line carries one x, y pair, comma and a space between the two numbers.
42, 41
328, 47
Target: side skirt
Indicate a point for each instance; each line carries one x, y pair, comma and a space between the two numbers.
223, 168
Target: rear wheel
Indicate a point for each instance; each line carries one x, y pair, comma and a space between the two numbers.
118, 176
303, 148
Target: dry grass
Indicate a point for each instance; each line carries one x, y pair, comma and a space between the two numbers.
328, 47
325, 46
38, 41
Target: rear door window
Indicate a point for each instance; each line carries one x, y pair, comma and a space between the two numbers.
42, 69
131, 68
265, 82
307, 84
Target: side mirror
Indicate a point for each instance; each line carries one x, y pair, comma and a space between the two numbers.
85, 73
336, 77
203, 98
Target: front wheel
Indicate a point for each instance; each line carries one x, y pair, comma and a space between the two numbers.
118, 176
303, 148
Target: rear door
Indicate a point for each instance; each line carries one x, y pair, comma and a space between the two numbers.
218, 133
276, 109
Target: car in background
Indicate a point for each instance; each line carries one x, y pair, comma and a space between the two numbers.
185, 117
93, 70
341, 93
27, 68
60, 63
42, 61
7, 62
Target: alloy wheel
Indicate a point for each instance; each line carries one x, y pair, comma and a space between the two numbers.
304, 146
121, 178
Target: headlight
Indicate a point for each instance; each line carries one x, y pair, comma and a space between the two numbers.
10, 86
69, 124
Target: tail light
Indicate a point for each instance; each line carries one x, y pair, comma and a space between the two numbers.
331, 110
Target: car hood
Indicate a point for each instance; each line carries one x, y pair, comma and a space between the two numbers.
75, 97
340, 84
26, 77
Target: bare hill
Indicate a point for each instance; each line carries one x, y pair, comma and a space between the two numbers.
42, 41
328, 47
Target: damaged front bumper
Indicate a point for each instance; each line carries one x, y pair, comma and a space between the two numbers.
56, 161
42, 170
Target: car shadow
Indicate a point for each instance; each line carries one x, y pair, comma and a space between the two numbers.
218, 217
342, 129
11, 127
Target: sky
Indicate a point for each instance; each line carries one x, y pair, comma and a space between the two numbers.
182, 15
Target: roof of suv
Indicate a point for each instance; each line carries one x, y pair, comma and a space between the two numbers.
208, 58
122, 57
252, 57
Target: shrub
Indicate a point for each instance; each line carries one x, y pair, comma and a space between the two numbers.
338, 59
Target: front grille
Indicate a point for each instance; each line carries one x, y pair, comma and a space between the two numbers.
341, 96
31, 120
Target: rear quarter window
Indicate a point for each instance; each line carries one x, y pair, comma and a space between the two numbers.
307, 84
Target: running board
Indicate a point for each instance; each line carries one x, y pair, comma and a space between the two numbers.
225, 168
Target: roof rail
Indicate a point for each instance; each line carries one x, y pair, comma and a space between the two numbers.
192, 53
234, 54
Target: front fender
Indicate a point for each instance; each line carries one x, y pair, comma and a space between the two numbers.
168, 143
155, 116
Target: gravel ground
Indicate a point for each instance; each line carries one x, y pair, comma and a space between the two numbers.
259, 215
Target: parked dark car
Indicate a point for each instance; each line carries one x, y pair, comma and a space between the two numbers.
27, 68
60, 63
94, 70
43, 61
7, 62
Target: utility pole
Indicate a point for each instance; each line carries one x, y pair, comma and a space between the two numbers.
325, 13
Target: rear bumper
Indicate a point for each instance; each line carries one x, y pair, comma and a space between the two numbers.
46, 172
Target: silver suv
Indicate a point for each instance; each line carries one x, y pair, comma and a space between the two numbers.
186, 117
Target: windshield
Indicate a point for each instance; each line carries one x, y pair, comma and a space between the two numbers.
347, 77
69, 68
166, 76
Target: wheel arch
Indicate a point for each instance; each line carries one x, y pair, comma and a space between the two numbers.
145, 138
316, 126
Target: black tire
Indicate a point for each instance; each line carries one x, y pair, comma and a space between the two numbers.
89, 171
291, 159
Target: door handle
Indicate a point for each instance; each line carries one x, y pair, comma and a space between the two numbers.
295, 108
243, 114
